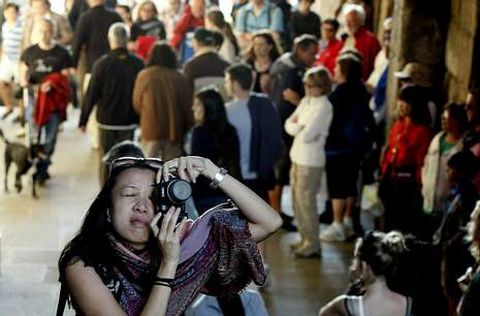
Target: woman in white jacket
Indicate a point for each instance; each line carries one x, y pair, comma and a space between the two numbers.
435, 186
309, 126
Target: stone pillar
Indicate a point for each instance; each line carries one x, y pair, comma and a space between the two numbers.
460, 47
417, 36
382, 10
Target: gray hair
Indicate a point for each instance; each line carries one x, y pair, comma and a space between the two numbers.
119, 33
49, 22
358, 9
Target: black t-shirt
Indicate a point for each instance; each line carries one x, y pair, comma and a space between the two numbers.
44, 62
305, 24
152, 27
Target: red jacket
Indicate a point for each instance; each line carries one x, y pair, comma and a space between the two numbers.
55, 100
367, 44
144, 46
407, 146
328, 56
186, 23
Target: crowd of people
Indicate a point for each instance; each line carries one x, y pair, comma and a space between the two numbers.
279, 97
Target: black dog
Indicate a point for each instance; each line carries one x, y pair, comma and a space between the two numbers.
24, 158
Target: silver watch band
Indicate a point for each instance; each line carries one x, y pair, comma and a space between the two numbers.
218, 178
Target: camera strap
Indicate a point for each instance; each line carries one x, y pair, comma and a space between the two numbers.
62, 300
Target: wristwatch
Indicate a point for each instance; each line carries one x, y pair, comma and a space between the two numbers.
218, 178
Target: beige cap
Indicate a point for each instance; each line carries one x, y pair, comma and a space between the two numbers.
420, 74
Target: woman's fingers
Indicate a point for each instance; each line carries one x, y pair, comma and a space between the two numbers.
169, 167
164, 227
173, 223
179, 228
182, 165
192, 173
154, 224
186, 168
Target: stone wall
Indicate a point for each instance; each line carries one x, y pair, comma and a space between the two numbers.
459, 52
382, 10
418, 35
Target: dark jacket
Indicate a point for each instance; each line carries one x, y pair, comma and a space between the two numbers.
111, 89
92, 33
351, 118
286, 72
80, 6
266, 142
207, 69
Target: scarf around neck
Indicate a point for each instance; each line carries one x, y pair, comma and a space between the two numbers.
129, 280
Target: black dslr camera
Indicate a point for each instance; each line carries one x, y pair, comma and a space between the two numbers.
177, 193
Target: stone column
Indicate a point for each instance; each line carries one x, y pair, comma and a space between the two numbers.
460, 47
417, 36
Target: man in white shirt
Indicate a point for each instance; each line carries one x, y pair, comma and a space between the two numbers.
258, 128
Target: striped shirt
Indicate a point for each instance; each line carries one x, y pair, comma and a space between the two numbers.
12, 40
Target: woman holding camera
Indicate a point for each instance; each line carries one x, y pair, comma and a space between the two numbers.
123, 262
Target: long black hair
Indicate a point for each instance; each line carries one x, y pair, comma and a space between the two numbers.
91, 244
417, 98
224, 134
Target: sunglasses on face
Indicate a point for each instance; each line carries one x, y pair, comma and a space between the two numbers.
132, 162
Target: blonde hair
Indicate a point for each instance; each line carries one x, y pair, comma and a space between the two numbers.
320, 77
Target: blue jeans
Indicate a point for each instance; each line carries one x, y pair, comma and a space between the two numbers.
49, 131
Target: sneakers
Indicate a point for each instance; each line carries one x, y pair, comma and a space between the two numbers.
348, 225
307, 251
334, 232
296, 245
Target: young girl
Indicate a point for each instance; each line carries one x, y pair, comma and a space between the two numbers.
375, 269
309, 125
213, 137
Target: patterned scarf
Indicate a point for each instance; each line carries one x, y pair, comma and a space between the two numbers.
130, 280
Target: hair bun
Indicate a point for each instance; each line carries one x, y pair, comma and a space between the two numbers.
394, 242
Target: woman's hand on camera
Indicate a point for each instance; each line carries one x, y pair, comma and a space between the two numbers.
169, 234
189, 168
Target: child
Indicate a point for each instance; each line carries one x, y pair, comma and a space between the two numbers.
10, 54
309, 126
462, 168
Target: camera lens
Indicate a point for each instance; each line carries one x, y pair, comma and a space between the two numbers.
179, 191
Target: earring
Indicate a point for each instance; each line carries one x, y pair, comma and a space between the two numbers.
109, 218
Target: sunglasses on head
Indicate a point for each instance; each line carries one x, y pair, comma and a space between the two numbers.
132, 162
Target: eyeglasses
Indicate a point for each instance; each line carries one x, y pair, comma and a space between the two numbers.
131, 162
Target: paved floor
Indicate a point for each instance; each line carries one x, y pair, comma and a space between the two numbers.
34, 231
